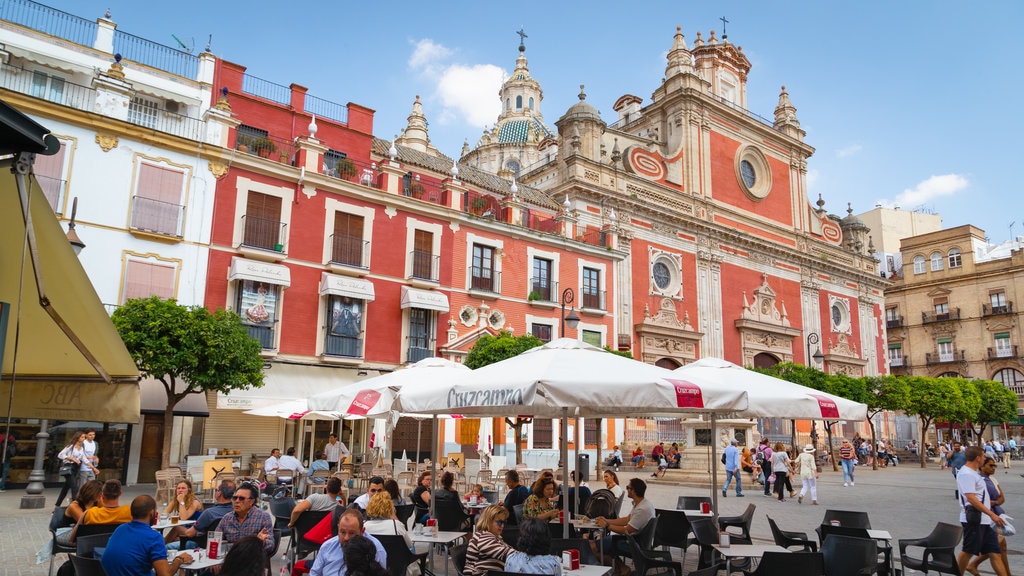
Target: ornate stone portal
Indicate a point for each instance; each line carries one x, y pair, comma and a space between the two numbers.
664, 337
764, 328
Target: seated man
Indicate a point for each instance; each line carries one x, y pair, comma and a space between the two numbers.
212, 514
330, 561
614, 547
376, 485
290, 462
517, 494
319, 464
318, 502
108, 510
246, 520
135, 548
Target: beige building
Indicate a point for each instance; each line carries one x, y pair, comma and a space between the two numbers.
889, 226
951, 308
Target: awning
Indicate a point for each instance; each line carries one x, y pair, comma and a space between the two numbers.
283, 382
245, 269
153, 400
71, 363
427, 299
336, 285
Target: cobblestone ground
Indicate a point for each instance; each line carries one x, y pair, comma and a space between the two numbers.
905, 500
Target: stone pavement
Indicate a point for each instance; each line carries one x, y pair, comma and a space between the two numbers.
905, 500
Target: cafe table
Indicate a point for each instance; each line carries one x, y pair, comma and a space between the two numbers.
443, 538
745, 551
697, 514
164, 524
200, 560
588, 570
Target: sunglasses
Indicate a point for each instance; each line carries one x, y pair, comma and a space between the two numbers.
499, 522
240, 498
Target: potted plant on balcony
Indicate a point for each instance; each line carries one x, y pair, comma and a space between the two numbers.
346, 169
477, 205
264, 147
245, 142
416, 190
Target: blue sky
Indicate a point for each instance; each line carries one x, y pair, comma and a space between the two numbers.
908, 103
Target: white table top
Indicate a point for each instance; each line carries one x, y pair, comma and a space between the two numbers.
748, 550
879, 534
437, 537
697, 514
164, 523
589, 570
200, 560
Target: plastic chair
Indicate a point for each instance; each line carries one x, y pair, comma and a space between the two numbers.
848, 556
705, 534
317, 487
299, 547
939, 550
788, 539
848, 518
646, 560
399, 555
742, 522
790, 564
87, 566
691, 502
673, 530
458, 555
403, 512
57, 520
451, 517
281, 510
883, 548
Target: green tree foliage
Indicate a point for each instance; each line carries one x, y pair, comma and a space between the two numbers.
996, 403
490, 349
883, 393
935, 399
189, 350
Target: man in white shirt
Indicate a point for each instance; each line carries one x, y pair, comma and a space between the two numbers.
336, 451
979, 539
376, 485
89, 446
290, 462
270, 465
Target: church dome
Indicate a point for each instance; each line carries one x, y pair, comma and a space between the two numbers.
516, 130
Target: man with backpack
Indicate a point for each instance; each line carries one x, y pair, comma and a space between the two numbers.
762, 459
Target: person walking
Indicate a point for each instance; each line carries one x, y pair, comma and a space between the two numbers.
72, 458
847, 458
995, 493
808, 475
763, 460
89, 446
782, 466
732, 469
980, 537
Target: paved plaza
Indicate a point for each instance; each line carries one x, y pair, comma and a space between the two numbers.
905, 500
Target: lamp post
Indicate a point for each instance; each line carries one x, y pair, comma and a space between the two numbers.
568, 296
813, 338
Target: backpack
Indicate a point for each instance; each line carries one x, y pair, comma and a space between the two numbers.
723, 457
760, 458
601, 503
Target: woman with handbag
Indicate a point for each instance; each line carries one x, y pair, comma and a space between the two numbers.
71, 459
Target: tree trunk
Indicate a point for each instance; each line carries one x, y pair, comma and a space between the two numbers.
874, 445
831, 451
921, 449
165, 452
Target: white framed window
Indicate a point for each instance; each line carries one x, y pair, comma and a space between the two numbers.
158, 202
143, 111
543, 327
592, 285
1003, 347
262, 215
895, 354
593, 334
941, 309
484, 257
998, 301
52, 173
348, 229
839, 314
48, 87
423, 240
919, 264
936, 261
955, 258
945, 346
258, 303
543, 282
145, 275
344, 326
665, 273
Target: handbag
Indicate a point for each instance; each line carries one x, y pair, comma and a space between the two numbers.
772, 477
67, 468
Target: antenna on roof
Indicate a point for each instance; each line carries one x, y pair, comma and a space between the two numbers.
185, 47
724, 22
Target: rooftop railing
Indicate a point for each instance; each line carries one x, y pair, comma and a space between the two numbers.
266, 89
49, 21
154, 55
326, 109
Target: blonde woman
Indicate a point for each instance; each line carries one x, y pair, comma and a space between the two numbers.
487, 551
381, 520
808, 474
782, 467
185, 505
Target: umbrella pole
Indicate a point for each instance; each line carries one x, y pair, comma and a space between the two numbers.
416, 458
564, 433
714, 468
578, 479
433, 464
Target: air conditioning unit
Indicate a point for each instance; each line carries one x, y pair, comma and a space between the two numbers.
172, 106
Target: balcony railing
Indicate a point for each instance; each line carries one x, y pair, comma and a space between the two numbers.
896, 362
987, 310
416, 354
425, 265
143, 114
593, 300
62, 92
484, 279
944, 358
483, 205
347, 346
932, 317
425, 191
326, 109
891, 323
542, 291
350, 251
353, 170
263, 233
156, 216
266, 89
271, 147
541, 222
265, 335
155, 55
49, 20
1002, 352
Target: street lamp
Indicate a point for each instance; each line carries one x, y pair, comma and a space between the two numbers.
73, 239
813, 338
572, 319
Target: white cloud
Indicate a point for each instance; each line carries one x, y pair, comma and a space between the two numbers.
928, 190
467, 93
427, 57
849, 150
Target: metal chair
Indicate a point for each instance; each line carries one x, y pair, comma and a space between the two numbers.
939, 550
742, 522
645, 560
299, 547
787, 539
790, 564
87, 566
848, 556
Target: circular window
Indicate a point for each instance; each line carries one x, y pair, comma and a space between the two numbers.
662, 276
840, 316
752, 172
665, 274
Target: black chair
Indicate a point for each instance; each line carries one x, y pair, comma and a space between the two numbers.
90, 529
451, 517
403, 512
790, 564
618, 504
939, 550
202, 537
712, 570
884, 549
848, 518
458, 555
646, 560
58, 520
847, 556
691, 502
510, 534
705, 535
673, 530
399, 555
299, 547
273, 551
281, 510
788, 539
87, 566
743, 522
85, 546
518, 511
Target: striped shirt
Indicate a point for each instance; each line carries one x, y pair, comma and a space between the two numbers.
846, 452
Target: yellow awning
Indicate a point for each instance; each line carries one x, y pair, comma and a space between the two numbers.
71, 363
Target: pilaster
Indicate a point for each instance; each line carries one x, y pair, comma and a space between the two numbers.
113, 92
311, 154
454, 191
393, 172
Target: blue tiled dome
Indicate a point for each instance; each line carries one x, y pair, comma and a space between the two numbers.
517, 130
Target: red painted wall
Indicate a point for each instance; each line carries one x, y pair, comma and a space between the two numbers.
726, 188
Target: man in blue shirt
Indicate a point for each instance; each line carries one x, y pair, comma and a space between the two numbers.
732, 469
330, 561
135, 548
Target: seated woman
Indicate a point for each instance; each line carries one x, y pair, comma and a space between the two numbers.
391, 487
87, 497
638, 457
382, 521
185, 505
611, 482
616, 458
487, 551
446, 491
534, 551
540, 503
421, 497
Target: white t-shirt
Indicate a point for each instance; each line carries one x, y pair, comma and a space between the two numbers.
641, 514
968, 481
270, 465
287, 462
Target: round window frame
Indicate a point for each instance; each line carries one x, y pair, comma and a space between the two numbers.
762, 173
674, 286
844, 325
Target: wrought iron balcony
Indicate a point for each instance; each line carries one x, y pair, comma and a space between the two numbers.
896, 362
987, 310
594, 300
156, 216
943, 358
425, 265
543, 290
416, 354
350, 251
346, 346
484, 279
263, 233
1000, 353
891, 323
265, 335
932, 317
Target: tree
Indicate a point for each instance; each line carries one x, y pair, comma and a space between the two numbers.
884, 393
997, 403
189, 350
490, 349
934, 399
